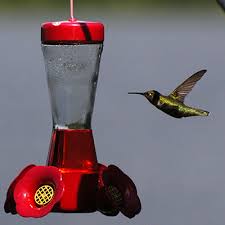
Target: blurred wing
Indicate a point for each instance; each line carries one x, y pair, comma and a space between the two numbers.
183, 89
221, 3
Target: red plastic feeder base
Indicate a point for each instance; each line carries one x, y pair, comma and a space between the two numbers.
72, 182
73, 152
79, 193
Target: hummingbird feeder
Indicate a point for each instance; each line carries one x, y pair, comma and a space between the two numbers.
73, 180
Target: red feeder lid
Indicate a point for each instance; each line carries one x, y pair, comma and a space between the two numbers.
72, 31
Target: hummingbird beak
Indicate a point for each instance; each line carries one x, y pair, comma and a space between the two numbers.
136, 93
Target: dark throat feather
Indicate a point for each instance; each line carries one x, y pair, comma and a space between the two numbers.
155, 99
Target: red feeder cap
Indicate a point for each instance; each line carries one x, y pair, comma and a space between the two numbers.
72, 31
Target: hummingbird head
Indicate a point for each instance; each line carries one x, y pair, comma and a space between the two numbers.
149, 95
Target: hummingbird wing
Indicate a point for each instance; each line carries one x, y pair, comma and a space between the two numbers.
183, 89
221, 3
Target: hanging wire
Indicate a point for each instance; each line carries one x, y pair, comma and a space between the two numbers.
71, 10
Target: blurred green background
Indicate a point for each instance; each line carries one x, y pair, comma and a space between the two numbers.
107, 3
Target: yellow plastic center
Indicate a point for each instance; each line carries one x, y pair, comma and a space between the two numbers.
115, 194
44, 195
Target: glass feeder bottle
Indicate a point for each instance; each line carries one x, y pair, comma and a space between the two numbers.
72, 52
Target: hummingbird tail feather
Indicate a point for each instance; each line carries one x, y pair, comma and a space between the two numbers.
204, 113
207, 113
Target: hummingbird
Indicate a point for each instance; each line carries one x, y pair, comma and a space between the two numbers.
173, 104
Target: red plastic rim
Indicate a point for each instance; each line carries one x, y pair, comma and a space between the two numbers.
72, 31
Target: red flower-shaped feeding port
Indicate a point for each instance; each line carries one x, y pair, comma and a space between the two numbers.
35, 191
117, 193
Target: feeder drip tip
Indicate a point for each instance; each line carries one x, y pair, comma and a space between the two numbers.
71, 10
